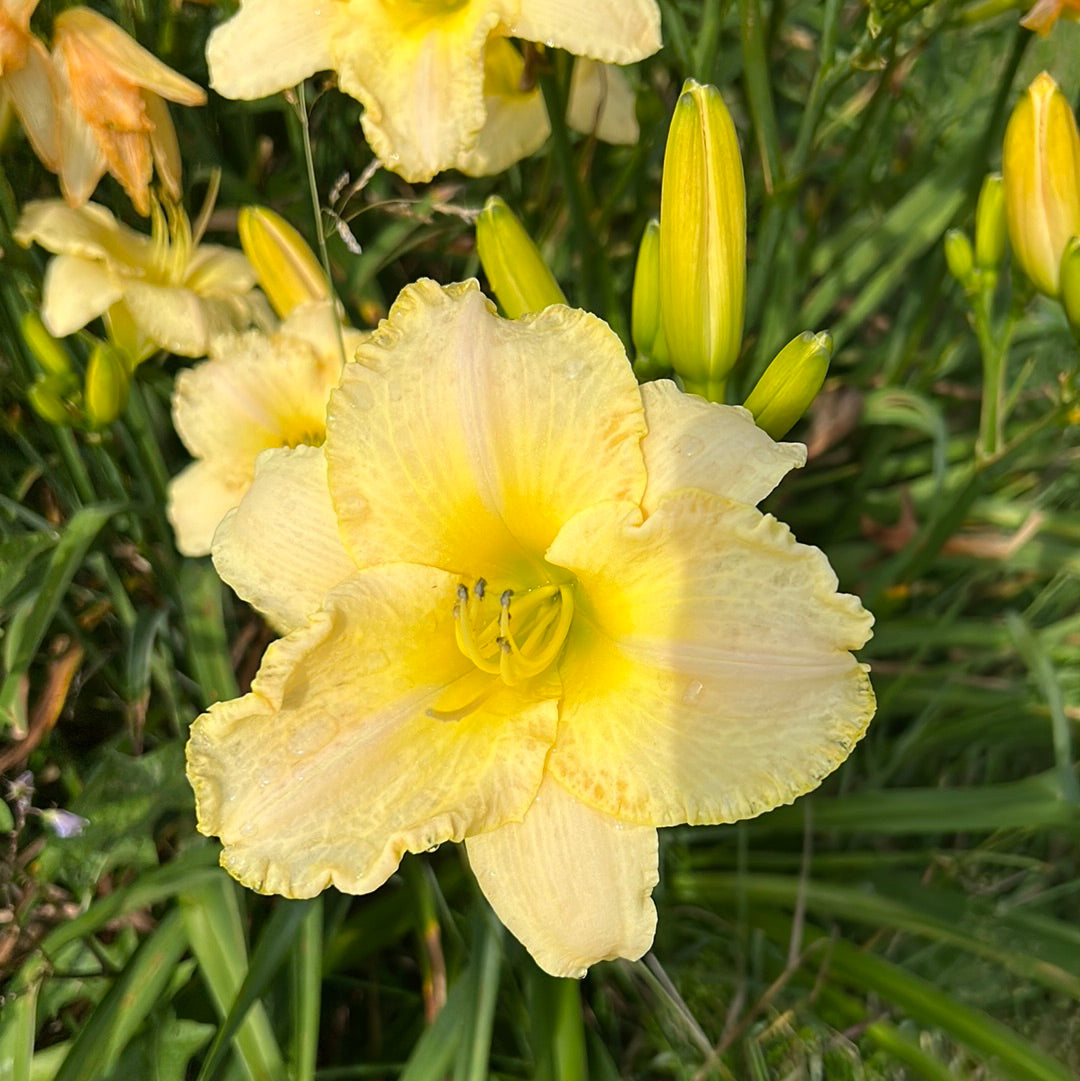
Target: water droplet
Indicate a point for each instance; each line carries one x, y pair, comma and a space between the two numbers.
309, 739
693, 691
264, 780
690, 445
247, 829
374, 661
393, 391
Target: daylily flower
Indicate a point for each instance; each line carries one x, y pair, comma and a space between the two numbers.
114, 117
440, 85
28, 81
1045, 14
256, 391
163, 291
529, 605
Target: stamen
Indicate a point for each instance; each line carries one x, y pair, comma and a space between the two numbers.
478, 589
463, 711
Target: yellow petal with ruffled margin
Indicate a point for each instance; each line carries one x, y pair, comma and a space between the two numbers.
280, 549
270, 45
464, 441
198, 499
571, 884
332, 768
708, 678
693, 443
418, 69
617, 31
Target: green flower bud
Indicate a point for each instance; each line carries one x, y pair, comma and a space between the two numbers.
106, 390
1041, 167
990, 227
1070, 284
702, 241
790, 383
515, 269
288, 270
960, 257
47, 399
646, 328
47, 351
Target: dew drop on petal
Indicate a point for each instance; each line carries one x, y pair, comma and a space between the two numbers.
393, 391
693, 691
310, 738
361, 396
690, 446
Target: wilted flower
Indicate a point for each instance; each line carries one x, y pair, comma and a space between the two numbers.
114, 117
1041, 169
28, 81
530, 605
256, 391
1045, 14
160, 291
440, 84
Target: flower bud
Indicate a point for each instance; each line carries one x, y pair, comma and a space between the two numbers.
64, 824
702, 241
1070, 284
48, 400
990, 227
646, 328
47, 351
106, 390
790, 383
960, 257
1041, 166
287, 269
515, 269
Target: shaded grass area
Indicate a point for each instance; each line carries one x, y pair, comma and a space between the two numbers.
916, 917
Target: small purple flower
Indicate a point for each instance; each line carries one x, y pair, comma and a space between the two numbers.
64, 823
21, 790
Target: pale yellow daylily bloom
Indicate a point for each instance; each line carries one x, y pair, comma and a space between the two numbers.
433, 97
257, 390
27, 80
162, 291
114, 117
601, 103
529, 605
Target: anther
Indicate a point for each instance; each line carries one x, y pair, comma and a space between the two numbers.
478, 589
504, 599
462, 593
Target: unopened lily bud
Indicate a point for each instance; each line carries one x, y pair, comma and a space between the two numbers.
1070, 284
1041, 166
960, 257
106, 390
47, 351
287, 269
702, 241
790, 383
47, 399
646, 328
516, 270
990, 227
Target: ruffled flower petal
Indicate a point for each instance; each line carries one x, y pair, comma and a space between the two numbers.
617, 31
512, 427
709, 679
517, 121
269, 45
75, 291
693, 443
199, 498
420, 77
574, 886
332, 767
601, 103
280, 549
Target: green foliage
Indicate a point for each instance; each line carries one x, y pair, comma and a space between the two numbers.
915, 918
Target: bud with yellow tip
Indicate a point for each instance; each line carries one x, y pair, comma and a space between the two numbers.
1070, 284
790, 383
960, 257
48, 400
1041, 167
287, 269
702, 241
106, 390
515, 269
